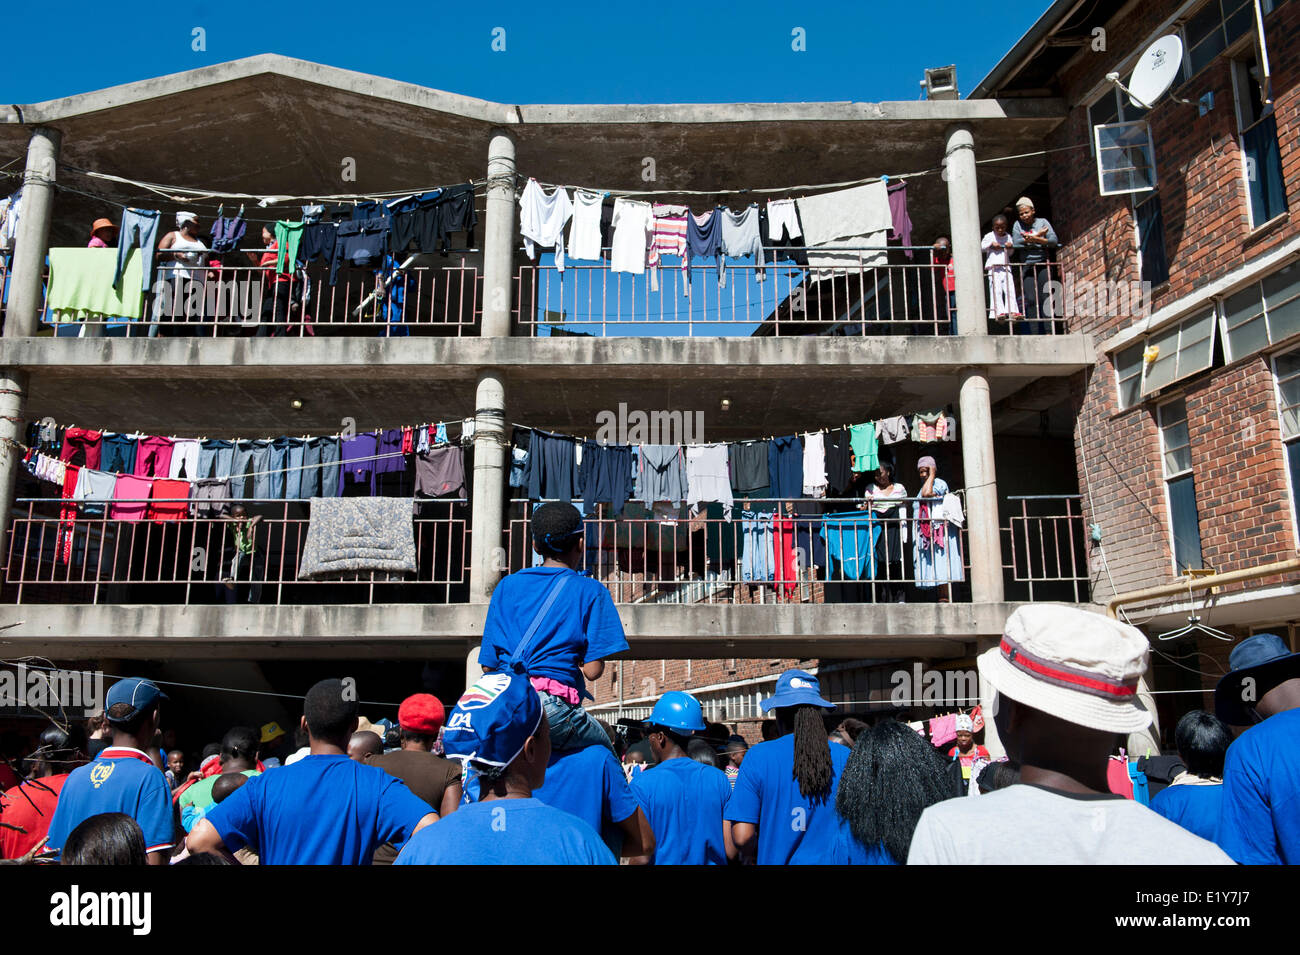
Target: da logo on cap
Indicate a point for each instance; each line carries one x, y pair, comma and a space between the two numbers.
487, 689
100, 772
798, 684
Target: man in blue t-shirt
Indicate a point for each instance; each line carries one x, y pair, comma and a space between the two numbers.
555, 625
1194, 800
780, 818
1260, 819
683, 799
498, 731
590, 784
123, 778
325, 809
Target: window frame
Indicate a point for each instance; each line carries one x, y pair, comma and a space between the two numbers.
1212, 312
1189, 472
1285, 441
1150, 151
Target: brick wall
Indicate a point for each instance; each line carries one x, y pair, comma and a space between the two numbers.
1239, 469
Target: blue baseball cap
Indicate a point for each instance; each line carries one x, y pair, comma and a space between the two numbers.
140, 694
1266, 660
797, 688
677, 710
492, 720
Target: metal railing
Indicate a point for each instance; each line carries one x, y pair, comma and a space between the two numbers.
1044, 548
866, 297
58, 553
244, 301
768, 551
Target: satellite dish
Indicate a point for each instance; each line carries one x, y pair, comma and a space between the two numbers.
1156, 71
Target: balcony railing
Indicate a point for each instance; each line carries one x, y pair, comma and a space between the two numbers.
780, 298
249, 301
55, 557
1044, 548
769, 551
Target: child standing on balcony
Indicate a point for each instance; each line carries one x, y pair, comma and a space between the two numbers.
997, 246
555, 625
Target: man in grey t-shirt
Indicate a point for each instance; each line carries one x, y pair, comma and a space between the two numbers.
1066, 683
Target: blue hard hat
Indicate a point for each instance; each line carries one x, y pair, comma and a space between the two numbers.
677, 710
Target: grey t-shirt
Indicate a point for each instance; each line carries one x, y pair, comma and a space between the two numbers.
1031, 825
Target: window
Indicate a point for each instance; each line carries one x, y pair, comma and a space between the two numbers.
1185, 348
1128, 375
1264, 313
1152, 263
1261, 159
1286, 371
1214, 28
1126, 160
1180, 486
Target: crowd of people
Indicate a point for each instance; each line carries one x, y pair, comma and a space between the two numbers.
518, 772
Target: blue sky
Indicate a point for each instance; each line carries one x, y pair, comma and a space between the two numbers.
583, 52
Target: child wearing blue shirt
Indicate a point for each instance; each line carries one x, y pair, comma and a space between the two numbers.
556, 626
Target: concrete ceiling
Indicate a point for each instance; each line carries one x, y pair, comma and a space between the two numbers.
270, 125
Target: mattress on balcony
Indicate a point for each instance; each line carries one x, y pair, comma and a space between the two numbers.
357, 535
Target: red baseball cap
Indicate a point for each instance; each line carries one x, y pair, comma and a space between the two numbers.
421, 713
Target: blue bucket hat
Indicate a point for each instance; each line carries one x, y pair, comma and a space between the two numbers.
797, 688
1264, 659
140, 694
491, 721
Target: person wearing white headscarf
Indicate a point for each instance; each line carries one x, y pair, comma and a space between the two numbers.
181, 256
966, 749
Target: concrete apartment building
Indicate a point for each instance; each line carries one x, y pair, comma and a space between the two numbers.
502, 340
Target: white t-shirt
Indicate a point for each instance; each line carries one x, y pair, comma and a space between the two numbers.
1030, 825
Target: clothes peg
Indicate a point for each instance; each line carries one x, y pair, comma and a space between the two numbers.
221, 210
241, 211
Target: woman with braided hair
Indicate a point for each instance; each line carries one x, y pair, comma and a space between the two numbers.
783, 807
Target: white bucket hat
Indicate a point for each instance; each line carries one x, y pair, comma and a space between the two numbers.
1078, 666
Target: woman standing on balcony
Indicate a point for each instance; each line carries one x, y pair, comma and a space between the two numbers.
1035, 240
936, 555
998, 246
181, 256
885, 498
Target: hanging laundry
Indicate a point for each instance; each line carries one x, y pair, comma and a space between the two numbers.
317, 242
663, 474
632, 230
67, 513
331, 470
81, 285
707, 478
139, 229
226, 233
893, 430
749, 474
93, 490
847, 218
153, 457
542, 219
117, 453
851, 542
415, 221
11, 209
210, 498
440, 434
184, 461
169, 500
900, 227
422, 442
785, 567
408, 440
757, 557
358, 463
814, 465
440, 471
294, 460
130, 498
360, 244
288, 236
605, 475
785, 467
269, 458
668, 236
312, 213
584, 228
862, 438
839, 461
216, 458
456, 213
740, 237
928, 426
357, 536
81, 443
389, 458
552, 471
943, 729
703, 240
782, 221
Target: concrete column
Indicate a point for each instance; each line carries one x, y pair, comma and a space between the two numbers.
13, 394
992, 742
33, 239
487, 558
499, 235
964, 222
984, 540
